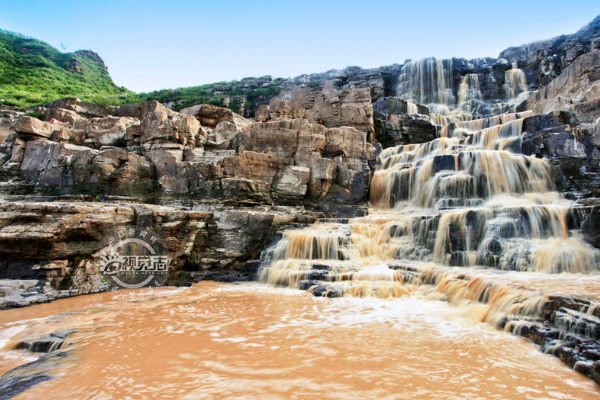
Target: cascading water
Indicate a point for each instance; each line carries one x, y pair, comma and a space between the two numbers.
427, 81
432, 82
516, 83
469, 89
466, 215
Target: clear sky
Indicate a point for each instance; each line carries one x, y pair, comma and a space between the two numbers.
153, 44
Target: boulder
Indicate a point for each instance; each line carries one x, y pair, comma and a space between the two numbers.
263, 114
322, 173
399, 129
570, 148
108, 131
31, 128
291, 184
251, 174
11, 157
347, 142
162, 127
279, 138
167, 159
138, 110
210, 116
62, 115
110, 171
57, 241
66, 135
86, 109
224, 134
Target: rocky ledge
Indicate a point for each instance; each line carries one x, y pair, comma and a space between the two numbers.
47, 248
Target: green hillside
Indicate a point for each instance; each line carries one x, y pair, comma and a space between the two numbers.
246, 94
33, 72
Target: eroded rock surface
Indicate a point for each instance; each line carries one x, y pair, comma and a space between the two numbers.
49, 247
576, 89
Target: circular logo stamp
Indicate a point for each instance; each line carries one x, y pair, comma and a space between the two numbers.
133, 257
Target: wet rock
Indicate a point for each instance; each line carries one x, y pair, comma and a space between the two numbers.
440, 163
47, 343
590, 227
320, 291
306, 285
45, 368
387, 106
568, 145
395, 126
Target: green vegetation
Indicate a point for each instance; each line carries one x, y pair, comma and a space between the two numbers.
35, 115
33, 72
214, 94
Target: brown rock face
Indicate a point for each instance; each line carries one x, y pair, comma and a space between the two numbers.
576, 89
56, 241
138, 110
211, 116
61, 115
161, 127
33, 128
573, 149
107, 131
249, 177
291, 183
170, 155
84, 108
5, 128
330, 108
58, 167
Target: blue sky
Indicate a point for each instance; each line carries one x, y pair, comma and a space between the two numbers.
151, 44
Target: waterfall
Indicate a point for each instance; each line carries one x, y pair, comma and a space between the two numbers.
458, 128
427, 81
515, 82
469, 89
470, 200
466, 218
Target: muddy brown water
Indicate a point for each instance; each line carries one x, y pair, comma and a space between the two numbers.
219, 341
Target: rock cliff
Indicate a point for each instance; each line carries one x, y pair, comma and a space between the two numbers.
218, 185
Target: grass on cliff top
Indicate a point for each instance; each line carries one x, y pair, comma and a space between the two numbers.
33, 72
214, 93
